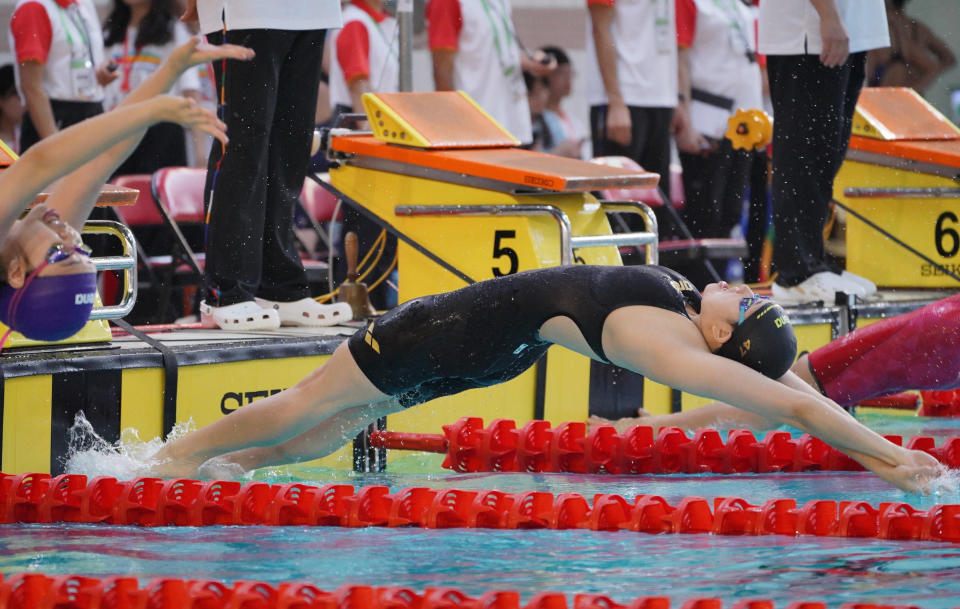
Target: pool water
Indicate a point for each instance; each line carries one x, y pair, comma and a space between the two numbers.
624, 564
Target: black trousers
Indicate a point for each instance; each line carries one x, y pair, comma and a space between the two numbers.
269, 111
650, 142
714, 189
65, 113
813, 108
163, 145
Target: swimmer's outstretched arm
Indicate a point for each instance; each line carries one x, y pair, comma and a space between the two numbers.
75, 195
67, 150
677, 357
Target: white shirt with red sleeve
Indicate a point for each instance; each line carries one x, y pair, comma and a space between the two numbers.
792, 27
724, 74
644, 36
136, 63
215, 15
366, 47
487, 61
65, 36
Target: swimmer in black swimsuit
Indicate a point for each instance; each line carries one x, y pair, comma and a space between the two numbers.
726, 344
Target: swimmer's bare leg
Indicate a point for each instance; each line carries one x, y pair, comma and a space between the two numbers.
714, 414
320, 441
334, 386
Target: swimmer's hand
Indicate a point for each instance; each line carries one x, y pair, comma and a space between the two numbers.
195, 52
915, 473
188, 113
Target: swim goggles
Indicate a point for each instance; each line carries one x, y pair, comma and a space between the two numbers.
746, 303
59, 252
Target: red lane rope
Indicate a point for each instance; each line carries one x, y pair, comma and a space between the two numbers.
535, 447
39, 591
182, 502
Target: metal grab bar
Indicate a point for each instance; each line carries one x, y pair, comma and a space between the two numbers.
126, 262
567, 242
902, 193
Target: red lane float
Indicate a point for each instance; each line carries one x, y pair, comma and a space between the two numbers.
41, 498
38, 591
535, 447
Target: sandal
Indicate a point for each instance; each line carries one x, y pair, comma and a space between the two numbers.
241, 316
308, 312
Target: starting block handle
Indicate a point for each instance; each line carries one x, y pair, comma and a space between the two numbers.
567, 241
127, 262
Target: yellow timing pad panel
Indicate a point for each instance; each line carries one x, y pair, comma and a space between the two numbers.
436, 120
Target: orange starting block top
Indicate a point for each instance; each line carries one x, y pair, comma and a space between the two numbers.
898, 122
446, 135
523, 168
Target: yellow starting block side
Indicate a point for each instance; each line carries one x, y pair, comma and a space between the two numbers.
441, 119
928, 224
478, 247
26, 424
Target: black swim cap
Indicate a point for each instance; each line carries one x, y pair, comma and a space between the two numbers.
764, 341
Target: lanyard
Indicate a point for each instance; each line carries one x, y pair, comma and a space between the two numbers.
127, 61
387, 41
733, 14
502, 48
77, 23
661, 12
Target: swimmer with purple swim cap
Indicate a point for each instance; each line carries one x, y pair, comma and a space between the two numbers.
47, 280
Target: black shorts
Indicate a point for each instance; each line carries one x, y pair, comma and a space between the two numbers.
444, 344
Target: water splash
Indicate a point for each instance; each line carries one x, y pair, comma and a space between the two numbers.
946, 484
131, 456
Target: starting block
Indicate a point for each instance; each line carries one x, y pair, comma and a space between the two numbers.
900, 175
467, 204
96, 330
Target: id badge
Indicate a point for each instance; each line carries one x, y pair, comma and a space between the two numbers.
84, 79
665, 36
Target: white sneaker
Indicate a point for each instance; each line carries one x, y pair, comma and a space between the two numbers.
308, 312
868, 286
822, 287
241, 316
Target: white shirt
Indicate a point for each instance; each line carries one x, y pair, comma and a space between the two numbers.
644, 35
487, 65
266, 15
719, 64
384, 59
136, 64
75, 33
792, 27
